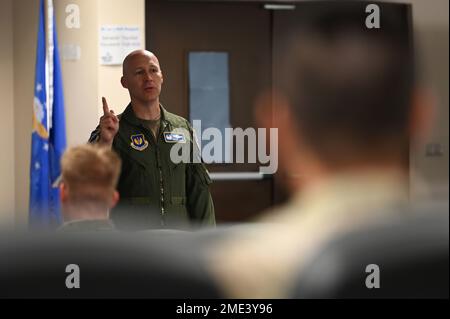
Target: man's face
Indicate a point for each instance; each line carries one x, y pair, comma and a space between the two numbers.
143, 77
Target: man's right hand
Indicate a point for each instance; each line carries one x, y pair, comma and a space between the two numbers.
109, 125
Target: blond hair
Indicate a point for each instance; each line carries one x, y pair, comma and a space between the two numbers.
91, 173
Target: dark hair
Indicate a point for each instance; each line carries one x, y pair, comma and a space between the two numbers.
350, 86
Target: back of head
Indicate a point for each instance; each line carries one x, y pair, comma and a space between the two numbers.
349, 86
90, 174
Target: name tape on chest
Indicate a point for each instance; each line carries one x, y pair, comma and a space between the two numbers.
174, 137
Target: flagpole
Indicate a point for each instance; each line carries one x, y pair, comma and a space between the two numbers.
49, 61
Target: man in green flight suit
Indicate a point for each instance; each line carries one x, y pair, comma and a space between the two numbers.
155, 192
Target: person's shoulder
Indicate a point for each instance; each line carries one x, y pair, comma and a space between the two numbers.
87, 225
175, 120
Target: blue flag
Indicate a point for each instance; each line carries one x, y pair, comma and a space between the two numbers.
48, 140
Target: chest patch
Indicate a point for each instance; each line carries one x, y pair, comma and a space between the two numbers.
138, 142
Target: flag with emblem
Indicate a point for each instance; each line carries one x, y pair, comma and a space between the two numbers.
48, 139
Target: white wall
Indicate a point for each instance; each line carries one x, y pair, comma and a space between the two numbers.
7, 182
131, 12
85, 80
80, 77
25, 20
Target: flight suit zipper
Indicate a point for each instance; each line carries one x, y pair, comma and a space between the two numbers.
161, 178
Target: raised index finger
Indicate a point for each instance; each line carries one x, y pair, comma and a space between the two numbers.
105, 107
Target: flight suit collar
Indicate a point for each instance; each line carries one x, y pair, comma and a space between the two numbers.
130, 117
165, 119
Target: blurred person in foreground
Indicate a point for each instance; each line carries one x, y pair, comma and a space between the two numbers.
346, 113
88, 188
